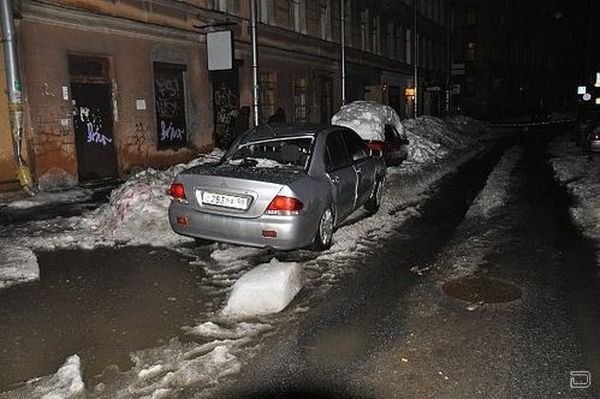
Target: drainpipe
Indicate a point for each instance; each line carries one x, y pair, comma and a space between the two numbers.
255, 88
343, 49
15, 97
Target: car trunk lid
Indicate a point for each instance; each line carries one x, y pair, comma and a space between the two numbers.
235, 190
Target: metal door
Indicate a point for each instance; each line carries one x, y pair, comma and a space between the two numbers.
92, 122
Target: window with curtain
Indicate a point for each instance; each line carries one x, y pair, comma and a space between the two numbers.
267, 94
300, 100
226, 6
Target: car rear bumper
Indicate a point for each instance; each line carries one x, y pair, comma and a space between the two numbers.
293, 232
595, 145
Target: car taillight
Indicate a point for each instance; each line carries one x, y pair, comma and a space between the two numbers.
376, 147
596, 136
284, 206
177, 191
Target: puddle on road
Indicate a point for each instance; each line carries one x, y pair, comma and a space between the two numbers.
482, 289
100, 304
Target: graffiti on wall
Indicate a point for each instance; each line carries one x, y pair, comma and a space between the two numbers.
94, 126
170, 105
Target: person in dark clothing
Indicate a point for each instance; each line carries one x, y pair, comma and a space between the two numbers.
278, 116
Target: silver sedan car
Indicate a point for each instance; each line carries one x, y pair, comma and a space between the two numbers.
281, 186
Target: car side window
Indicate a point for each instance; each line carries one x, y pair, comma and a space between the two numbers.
336, 156
356, 147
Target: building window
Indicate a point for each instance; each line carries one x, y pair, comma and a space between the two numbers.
298, 15
267, 94
226, 6
471, 51
376, 36
348, 22
390, 41
325, 19
471, 15
300, 100
409, 46
400, 44
169, 97
265, 11
364, 29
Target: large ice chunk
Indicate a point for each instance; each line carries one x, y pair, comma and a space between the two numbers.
368, 119
17, 265
66, 383
268, 288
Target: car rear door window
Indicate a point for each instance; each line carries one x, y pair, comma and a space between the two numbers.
355, 146
336, 156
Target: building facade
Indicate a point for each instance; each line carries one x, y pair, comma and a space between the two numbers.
113, 86
513, 58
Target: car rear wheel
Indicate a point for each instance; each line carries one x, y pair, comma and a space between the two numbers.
372, 205
324, 233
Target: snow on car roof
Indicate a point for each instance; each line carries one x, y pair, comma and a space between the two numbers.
368, 119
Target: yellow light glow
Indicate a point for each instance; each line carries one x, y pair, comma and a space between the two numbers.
409, 92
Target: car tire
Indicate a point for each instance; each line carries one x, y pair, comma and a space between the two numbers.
373, 203
324, 233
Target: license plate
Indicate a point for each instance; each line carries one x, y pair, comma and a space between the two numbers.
224, 200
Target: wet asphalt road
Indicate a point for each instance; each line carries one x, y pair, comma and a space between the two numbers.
388, 333
101, 304
383, 332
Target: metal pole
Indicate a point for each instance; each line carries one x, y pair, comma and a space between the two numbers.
343, 49
15, 96
415, 60
255, 88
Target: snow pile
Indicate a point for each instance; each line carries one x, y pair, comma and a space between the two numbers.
266, 289
214, 331
431, 139
466, 125
17, 265
368, 119
137, 210
496, 191
45, 198
66, 383
580, 174
136, 214
163, 372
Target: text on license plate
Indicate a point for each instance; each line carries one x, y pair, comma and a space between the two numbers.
227, 201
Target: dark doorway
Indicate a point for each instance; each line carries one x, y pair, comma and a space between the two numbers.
226, 101
92, 118
169, 95
326, 99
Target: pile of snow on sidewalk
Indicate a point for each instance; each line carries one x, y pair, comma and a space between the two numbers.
17, 265
137, 210
580, 174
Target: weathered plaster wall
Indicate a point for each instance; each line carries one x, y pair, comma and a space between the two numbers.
46, 48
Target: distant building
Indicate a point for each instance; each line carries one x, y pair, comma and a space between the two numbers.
111, 86
515, 58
